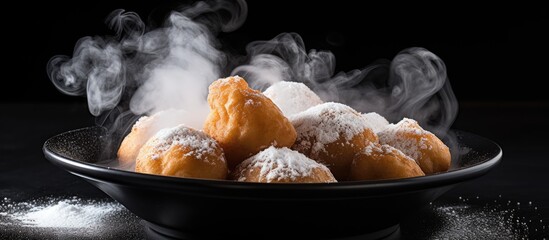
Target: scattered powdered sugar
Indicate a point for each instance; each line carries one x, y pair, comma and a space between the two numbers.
281, 163
326, 123
376, 121
292, 97
475, 218
199, 142
62, 218
66, 214
394, 135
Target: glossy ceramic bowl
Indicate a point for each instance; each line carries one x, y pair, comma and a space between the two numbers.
218, 209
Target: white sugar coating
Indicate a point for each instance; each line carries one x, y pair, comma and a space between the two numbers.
200, 143
229, 80
372, 148
251, 103
326, 123
141, 122
281, 163
292, 97
376, 121
393, 134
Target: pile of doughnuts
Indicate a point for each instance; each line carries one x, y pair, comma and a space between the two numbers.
285, 134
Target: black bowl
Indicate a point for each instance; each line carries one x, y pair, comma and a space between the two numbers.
203, 209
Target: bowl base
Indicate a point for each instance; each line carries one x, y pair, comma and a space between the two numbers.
155, 231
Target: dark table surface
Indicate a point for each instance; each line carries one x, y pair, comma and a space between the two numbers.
510, 202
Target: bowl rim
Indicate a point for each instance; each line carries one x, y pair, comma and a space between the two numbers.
96, 172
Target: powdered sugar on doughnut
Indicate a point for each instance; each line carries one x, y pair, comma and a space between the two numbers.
326, 123
200, 143
281, 163
140, 122
292, 97
395, 135
384, 149
229, 80
376, 121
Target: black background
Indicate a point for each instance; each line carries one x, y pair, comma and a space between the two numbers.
493, 53
497, 60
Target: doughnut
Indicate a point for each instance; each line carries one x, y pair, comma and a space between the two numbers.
332, 133
144, 129
281, 165
292, 97
182, 151
430, 153
376, 162
244, 121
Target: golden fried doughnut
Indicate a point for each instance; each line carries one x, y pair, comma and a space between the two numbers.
129, 148
182, 152
282, 165
144, 129
377, 162
428, 150
332, 133
292, 97
244, 121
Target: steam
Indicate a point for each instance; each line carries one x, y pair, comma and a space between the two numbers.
414, 84
150, 71
184, 64
141, 71
285, 58
95, 70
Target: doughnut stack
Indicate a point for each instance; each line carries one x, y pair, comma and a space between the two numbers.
285, 134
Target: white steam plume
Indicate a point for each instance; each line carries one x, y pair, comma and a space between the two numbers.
142, 71
414, 84
147, 71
